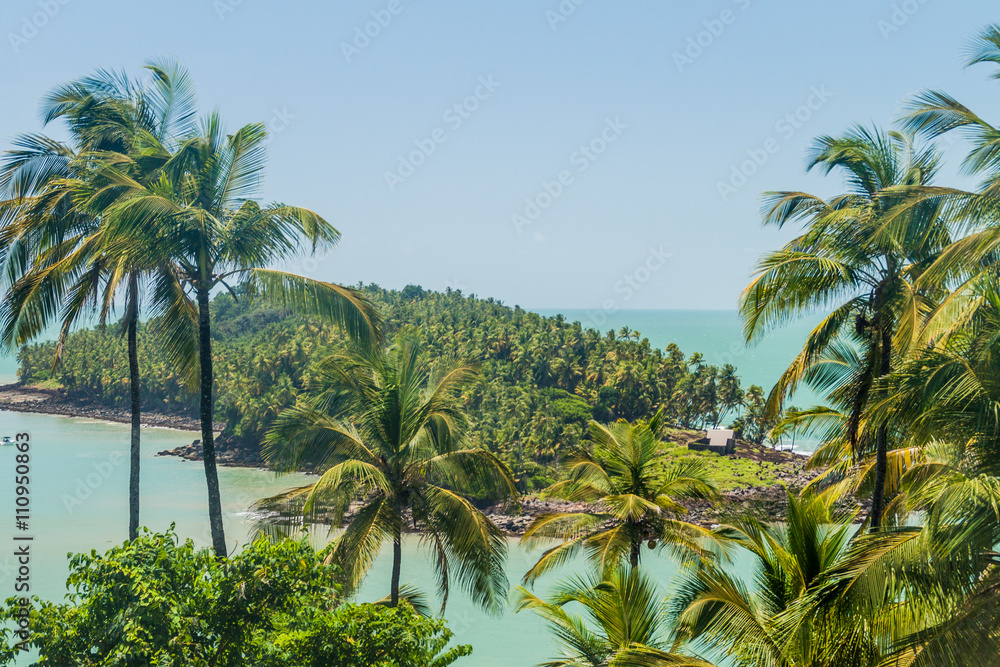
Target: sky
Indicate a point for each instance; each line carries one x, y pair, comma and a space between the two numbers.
547, 153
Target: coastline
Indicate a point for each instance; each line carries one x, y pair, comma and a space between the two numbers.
769, 500
17, 397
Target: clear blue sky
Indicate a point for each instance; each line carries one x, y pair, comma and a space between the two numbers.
672, 130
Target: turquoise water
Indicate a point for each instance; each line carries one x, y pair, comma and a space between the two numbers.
79, 486
79, 492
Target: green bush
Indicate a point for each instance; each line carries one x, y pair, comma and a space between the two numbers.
158, 602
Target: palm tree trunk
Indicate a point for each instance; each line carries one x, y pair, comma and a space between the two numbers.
881, 441
397, 564
133, 375
633, 558
207, 437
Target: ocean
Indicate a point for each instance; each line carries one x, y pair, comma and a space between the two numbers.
79, 489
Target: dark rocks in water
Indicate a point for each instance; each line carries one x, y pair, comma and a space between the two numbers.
229, 451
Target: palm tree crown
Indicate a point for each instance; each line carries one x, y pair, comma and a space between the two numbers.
858, 255
623, 472
624, 622
390, 435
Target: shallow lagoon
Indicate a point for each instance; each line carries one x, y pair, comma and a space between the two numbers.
79, 488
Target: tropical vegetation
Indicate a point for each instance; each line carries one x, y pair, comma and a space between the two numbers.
154, 203
886, 559
158, 601
543, 379
388, 433
58, 263
622, 470
905, 273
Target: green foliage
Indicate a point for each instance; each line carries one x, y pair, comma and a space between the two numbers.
155, 601
387, 432
543, 378
730, 472
364, 635
623, 614
636, 490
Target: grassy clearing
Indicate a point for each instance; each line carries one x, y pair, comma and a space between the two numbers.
736, 472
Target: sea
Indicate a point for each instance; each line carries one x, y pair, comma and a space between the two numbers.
79, 490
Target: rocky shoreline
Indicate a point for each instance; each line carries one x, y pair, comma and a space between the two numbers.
768, 501
21, 398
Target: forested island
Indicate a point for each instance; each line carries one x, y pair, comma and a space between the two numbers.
542, 378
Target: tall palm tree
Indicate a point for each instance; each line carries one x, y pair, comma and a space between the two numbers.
624, 473
58, 268
387, 432
839, 374
627, 622
212, 232
971, 261
823, 594
858, 255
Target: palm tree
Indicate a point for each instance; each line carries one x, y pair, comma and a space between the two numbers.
839, 374
61, 268
750, 624
858, 254
623, 472
389, 434
731, 394
926, 595
822, 593
951, 392
211, 231
971, 261
627, 618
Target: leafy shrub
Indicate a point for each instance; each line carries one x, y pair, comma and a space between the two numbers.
158, 602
